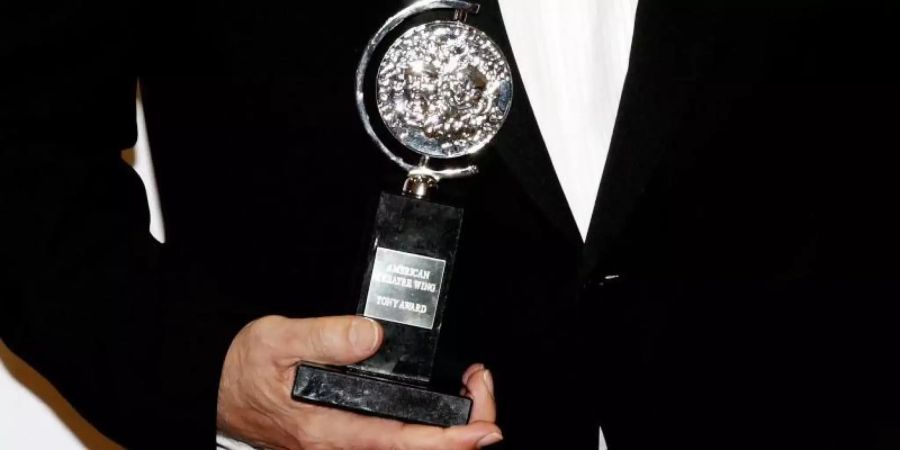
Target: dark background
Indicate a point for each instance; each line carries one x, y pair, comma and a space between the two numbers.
747, 210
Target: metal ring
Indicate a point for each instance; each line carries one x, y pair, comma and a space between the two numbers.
392, 23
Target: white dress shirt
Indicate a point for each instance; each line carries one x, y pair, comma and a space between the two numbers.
573, 57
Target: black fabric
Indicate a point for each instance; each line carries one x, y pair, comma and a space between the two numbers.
738, 288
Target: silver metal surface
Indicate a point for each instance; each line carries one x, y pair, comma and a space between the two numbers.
405, 288
418, 184
444, 89
466, 82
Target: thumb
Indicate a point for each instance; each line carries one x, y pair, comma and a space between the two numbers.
336, 340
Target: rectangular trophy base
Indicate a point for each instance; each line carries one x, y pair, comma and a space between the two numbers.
366, 395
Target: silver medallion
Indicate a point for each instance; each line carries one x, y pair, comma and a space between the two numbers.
444, 89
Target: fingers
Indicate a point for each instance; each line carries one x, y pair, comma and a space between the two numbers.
480, 388
472, 369
388, 434
347, 339
473, 435
337, 340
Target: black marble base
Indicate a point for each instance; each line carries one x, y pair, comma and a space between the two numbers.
366, 395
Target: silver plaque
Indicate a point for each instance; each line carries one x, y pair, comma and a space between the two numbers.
404, 288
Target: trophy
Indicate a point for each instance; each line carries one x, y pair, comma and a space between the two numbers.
443, 90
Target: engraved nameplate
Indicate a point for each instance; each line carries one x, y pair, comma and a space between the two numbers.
404, 288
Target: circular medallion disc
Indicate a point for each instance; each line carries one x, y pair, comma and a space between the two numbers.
444, 89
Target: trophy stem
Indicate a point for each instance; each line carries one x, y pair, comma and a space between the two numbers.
418, 184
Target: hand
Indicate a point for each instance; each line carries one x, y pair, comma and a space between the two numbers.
255, 402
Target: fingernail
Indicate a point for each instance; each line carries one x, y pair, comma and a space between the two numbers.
489, 382
490, 439
471, 371
364, 334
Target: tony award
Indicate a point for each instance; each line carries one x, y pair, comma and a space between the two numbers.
442, 90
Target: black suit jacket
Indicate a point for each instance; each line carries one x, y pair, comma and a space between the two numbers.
737, 289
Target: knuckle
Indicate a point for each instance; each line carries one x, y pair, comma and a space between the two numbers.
259, 327
318, 343
327, 337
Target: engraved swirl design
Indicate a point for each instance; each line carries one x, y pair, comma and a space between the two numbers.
444, 89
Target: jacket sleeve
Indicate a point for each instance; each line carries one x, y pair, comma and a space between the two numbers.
87, 296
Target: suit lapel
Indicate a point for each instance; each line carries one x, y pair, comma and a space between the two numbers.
520, 144
654, 101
